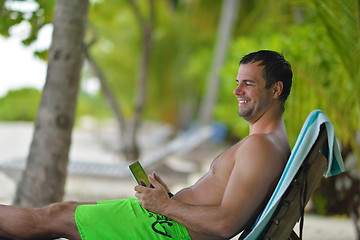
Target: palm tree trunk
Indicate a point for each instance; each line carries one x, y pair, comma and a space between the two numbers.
44, 178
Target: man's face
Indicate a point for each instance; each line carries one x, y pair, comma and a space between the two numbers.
254, 99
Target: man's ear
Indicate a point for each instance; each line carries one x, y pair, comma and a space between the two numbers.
277, 89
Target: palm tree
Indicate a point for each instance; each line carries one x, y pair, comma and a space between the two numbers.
330, 80
43, 181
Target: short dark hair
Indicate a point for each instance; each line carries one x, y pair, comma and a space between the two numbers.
276, 68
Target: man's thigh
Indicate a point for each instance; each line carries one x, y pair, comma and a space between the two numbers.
125, 219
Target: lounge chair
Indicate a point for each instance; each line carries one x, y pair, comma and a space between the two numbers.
315, 152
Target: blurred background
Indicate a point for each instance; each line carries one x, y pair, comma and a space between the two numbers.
156, 84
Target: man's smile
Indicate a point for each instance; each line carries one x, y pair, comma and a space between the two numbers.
241, 101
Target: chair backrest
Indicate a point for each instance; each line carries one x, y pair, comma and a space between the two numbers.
293, 202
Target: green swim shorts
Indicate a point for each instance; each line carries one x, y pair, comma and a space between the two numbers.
125, 219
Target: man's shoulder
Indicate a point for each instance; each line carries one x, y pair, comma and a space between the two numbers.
259, 147
263, 142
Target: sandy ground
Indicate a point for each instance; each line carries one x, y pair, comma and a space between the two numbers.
179, 171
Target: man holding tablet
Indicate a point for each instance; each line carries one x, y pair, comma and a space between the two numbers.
218, 206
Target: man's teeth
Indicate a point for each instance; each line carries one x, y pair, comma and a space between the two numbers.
243, 101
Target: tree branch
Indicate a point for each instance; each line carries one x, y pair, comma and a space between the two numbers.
144, 65
137, 13
104, 86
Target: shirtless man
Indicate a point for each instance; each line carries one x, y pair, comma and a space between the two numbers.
218, 206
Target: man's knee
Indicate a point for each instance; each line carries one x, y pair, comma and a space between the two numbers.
55, 211
59, 219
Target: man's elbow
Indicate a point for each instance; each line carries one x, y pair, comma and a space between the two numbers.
227, 229
224, 233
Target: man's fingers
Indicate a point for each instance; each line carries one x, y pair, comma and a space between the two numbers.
143, 183
154, 182
139, 188
137, 194
158, 178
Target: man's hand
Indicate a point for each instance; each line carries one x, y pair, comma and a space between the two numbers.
153, 199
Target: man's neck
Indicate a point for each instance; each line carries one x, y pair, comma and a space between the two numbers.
267, 123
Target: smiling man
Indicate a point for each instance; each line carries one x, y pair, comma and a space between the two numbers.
240, 180
219, 205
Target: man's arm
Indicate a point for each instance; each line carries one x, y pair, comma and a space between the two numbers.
257, 166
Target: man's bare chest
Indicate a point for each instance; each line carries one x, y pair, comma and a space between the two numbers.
223, 164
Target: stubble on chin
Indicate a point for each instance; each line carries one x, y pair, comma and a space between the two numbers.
246, 114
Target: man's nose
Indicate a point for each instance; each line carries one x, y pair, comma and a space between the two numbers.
238, 90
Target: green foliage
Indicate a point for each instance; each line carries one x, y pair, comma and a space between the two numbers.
322, 75
94, 106
117, 47
8, 19
23, 104
320, 39
37, 19
20, 105
179, 59
320, 203
342, 24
